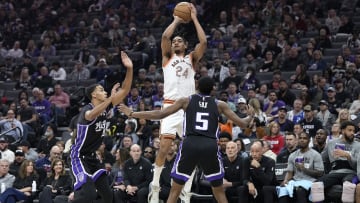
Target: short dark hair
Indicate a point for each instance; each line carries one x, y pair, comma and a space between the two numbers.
225, 135
206, 85
346, 124
90, 90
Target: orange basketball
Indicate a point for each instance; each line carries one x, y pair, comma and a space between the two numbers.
183, 11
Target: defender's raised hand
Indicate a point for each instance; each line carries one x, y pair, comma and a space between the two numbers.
126, 110
126, 60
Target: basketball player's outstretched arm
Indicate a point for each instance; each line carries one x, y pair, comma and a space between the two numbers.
241, 122
156, 114
200, 48
166, 39
120, 93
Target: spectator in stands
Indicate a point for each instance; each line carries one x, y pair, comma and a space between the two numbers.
236, 173
80, 72
337, 71
43, 165
300, 79
304, 167
236, 51
137, 176
285, 94
224, 138
324, 115
43, 108
269, 64
323, 41
215, 39
291, 145
47, 49
271, 108
218, 72
47, 141
285, 124
21, 189
255, 103
24, 81
250, 80
317, 62
334, 104
341, 95
4, 75
5, 152
343, 116
101, 71
335, 132
332, 21
241, 107
355, 105
341, 154
29, 153
60, 99
318, 92
58, 183
292, 60
232, 78
28, 117
5, 172
32, 49
16, 52
57, 72
347, 25
153, 73
262, 172
44, 81
347, 55
15, 166
275, 138
262, 94
310, 124
11, 128
350, 83
117, 172
250, 61
321, 138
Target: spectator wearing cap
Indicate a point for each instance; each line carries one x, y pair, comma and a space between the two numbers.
4, 151
19, 159
341, 95
324, 115
6, 177
272, 107
57, 72
48, 140
80, 72
334, 105
30, 153
12, 127
285, 124
101, 71
310, 124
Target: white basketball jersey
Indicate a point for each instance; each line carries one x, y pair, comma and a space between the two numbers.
179, 77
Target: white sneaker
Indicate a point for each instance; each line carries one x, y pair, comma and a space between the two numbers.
153, 196
185, 197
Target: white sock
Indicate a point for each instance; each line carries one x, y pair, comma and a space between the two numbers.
157, 173
188, 184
